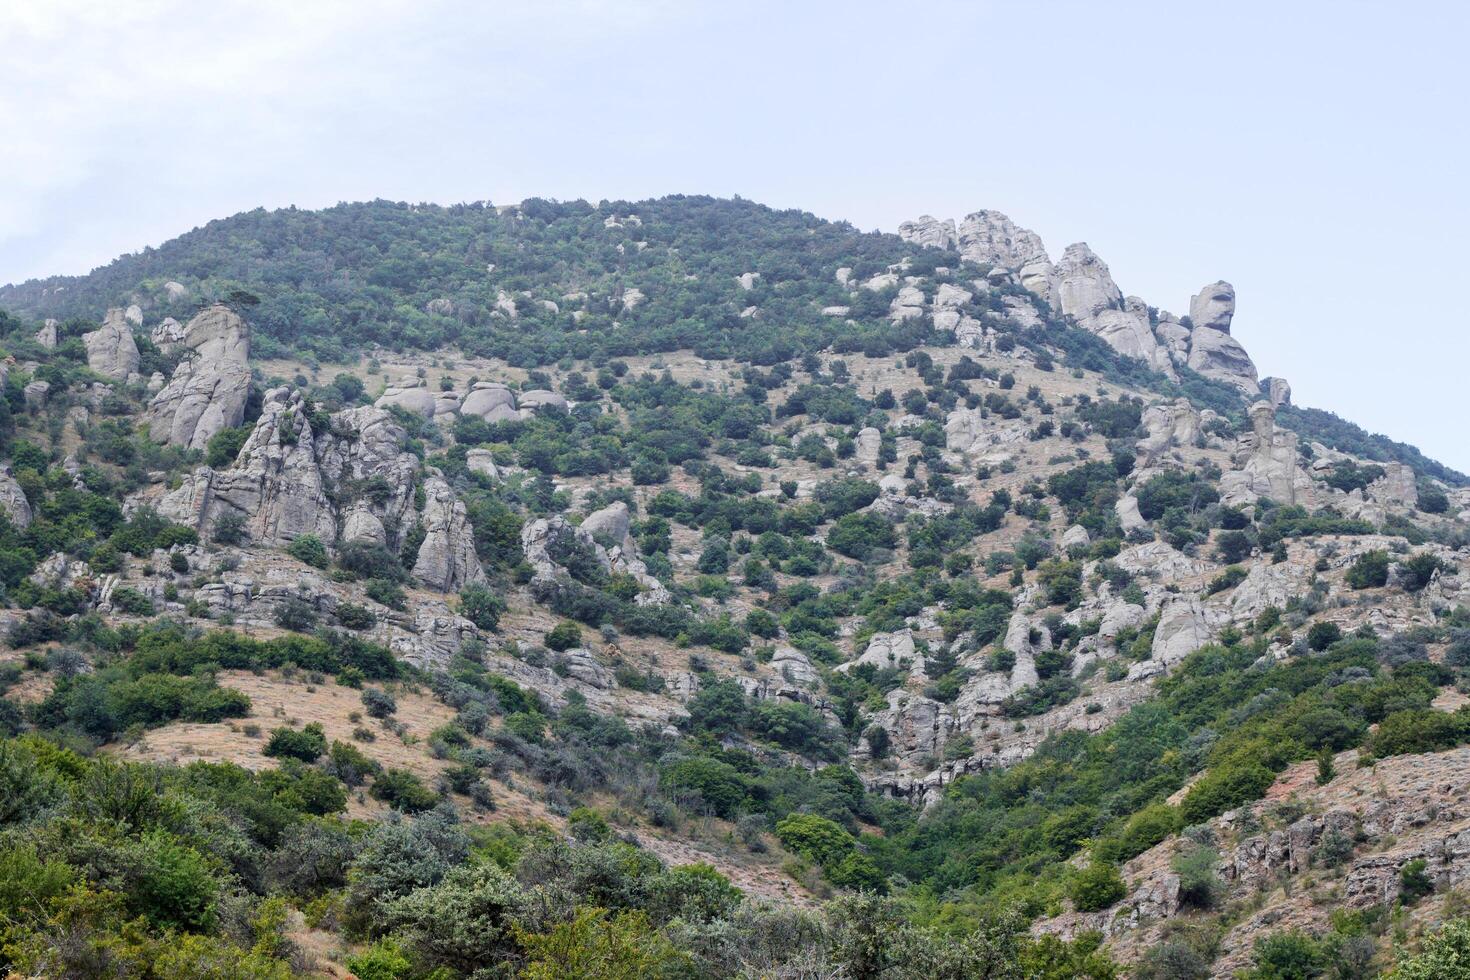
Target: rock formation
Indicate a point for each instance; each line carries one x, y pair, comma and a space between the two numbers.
291, 480
210, 386
111, 349
1212, 351
1268, 464
446, 559
13, 500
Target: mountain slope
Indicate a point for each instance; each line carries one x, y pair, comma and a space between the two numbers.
921, 566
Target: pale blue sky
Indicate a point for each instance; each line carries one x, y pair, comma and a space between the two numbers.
1310, 153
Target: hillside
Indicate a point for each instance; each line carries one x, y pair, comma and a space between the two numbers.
685, 588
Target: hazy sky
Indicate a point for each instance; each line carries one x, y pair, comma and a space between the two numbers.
1311, 153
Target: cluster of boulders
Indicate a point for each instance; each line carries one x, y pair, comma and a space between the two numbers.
604, 535
488, 400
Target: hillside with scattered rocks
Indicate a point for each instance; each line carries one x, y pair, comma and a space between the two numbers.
778, 599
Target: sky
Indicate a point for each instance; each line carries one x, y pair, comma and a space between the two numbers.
1310, 153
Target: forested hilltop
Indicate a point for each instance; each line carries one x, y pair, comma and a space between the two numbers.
688, 589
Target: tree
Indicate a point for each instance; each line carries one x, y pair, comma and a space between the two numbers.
596, 945
463, 922
1445, 955
1323, 634
378, 702
481, 606
1326, 771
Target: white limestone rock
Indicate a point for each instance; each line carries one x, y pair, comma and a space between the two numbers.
482, 461
1182, 630
410, 394
1128, 516
446, 560
13, 500
111, 350
210, 386
1277, 391
929, 232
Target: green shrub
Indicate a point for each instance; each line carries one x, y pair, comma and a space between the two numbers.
1224, 787
1097, 887
402, 790
307, 744
564, 636
1369, 571
308, 548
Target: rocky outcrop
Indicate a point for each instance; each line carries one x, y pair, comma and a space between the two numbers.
1277, 391
276, 484
446, 560
1086, 292
886, 651
13, 500
1212, 351
210, 386
111, 349
1170, 425
1268, 464
290, 480
1182, 630
47, 336
551, 543
929, 232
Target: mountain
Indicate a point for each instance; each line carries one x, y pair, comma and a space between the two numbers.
688, 588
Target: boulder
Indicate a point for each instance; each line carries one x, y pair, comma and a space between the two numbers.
36, 393
868, 444
111, 350
1076, 536
410, 394
482, 461
611, 524
538, 398
167, 334
210, 386
1128, 516
47, 335
489, 398
794, 666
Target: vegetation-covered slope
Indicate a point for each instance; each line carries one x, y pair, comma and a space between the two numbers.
533, 645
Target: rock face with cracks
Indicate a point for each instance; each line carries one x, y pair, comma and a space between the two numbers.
210, 386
